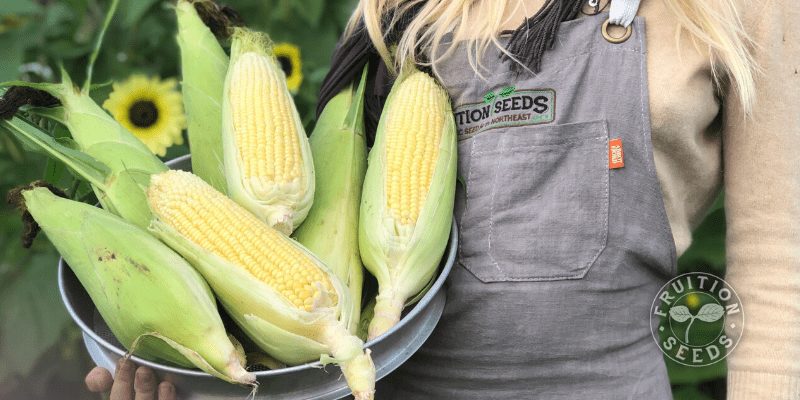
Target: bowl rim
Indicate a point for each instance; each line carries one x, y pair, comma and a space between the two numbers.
451, 251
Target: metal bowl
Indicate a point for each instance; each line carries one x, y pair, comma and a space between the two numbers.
307, 381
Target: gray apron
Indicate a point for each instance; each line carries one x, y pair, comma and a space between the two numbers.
562, 250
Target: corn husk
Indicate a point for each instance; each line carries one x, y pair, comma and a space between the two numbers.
155, 303
203, 68
330, 230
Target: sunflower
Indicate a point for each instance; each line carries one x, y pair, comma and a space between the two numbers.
288, 56
151, 109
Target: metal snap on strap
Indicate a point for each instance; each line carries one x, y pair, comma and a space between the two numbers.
612, 39
594, 7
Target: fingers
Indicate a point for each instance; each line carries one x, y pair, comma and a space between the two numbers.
166, 391
145, 384
99, 380
123, 381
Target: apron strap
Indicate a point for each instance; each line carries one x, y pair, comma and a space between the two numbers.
623, 11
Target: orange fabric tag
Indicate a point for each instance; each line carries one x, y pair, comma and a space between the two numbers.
616, 157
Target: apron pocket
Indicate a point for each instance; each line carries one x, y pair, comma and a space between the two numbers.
537, 202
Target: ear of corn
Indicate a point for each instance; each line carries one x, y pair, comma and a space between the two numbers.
407, 199
268, 161
203, 68
98, 135
282, 296
340, 160
155, 303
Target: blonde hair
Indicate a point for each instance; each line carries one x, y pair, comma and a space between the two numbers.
713, 24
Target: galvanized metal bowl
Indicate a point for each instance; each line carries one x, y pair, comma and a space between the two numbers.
308, 381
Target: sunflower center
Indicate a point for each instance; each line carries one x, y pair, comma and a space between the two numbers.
143, 113
286, 65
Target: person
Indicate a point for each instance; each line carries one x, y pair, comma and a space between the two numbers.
563, 247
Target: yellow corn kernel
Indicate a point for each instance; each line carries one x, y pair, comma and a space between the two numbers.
266, 135
217, 224
413, 134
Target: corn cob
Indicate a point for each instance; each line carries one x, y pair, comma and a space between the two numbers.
285, 299
203, 68
407, 199
268, 162
155, 303
330, 230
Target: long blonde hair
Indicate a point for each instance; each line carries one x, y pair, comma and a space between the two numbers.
713, 24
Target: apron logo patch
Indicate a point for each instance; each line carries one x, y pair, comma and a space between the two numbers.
697, 319
616, 157
507, 107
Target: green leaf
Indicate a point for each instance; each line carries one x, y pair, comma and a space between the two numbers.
690, 393
12, 58
682, 374
19, 7
310, 10
133, 11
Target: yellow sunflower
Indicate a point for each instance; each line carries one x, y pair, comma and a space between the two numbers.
151, 109
288, 56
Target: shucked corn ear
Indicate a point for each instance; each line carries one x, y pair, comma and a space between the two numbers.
268, 161
340, 160
287, 301
97, 134
407, 199
155, 303
203, 67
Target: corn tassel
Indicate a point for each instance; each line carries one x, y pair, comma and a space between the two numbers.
286, 300
407, 201
203, 68
268, 161
330, 230
151, 298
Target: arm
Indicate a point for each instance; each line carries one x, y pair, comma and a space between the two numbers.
762, 187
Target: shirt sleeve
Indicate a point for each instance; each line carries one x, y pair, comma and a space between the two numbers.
762, 200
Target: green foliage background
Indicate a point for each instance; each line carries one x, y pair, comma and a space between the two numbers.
41, 352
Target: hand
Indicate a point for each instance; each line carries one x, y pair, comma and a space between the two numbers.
127, 385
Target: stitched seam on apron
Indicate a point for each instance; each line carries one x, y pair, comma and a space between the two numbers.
535, 146
460, 256
642, 78
650, 156
491, 211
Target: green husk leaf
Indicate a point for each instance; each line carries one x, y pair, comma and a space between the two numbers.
330, 230
32, 136
204, 65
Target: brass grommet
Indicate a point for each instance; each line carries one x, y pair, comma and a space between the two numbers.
612, 39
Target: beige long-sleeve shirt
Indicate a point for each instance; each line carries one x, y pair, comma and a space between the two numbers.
703, 144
